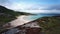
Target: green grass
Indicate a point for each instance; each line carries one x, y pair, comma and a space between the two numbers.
51, 25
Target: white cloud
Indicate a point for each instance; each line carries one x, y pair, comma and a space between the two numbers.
42, 11
19, 6
31, 8
24, 6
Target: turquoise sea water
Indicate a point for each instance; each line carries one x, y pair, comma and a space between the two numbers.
33, 17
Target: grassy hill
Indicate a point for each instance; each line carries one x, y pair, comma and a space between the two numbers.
50, 25
7, 15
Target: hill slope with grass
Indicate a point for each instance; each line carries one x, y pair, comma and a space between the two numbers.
7, 15
50, 25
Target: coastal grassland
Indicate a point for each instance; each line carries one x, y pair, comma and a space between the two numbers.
50, 25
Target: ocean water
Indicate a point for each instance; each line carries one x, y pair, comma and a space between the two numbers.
34, 17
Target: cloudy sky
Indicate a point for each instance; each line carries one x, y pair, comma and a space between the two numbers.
33, 6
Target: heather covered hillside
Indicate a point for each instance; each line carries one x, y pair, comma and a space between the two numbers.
50, 25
